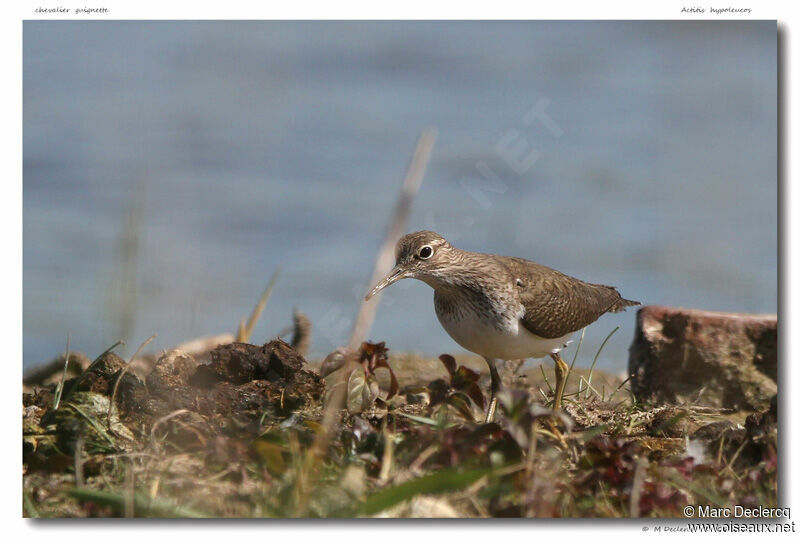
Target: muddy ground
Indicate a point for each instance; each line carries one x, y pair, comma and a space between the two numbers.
230, 433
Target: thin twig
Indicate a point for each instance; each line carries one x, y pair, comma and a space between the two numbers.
416, 465
735, 456
162, 420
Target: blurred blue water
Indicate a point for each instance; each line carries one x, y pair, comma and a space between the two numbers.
248, 146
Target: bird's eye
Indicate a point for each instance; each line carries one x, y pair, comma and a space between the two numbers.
425, 252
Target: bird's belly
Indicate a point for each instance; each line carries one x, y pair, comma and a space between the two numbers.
506, 341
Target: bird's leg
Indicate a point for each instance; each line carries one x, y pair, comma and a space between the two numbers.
561, 379
495, 389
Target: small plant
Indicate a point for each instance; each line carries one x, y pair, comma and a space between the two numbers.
362, 383
457, 393
522, 414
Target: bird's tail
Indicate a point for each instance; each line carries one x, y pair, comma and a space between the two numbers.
622, 304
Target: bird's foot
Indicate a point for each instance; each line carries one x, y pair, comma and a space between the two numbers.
554, 426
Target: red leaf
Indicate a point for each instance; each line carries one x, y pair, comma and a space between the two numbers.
438, 391
449, 363
460, 402
464, 376
475, 392
394, 387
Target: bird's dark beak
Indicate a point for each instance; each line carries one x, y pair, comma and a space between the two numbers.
398, 273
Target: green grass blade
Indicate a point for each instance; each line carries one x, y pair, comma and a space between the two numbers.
596, 355
445, 481
620, 386
655, 432
60, 387
591, 433
421, 420
96, 425
575, 356
544, 377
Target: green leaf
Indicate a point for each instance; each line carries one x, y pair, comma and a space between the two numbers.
445, 481
590, 433
362, 390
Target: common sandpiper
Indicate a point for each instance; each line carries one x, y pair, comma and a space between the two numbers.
500, 307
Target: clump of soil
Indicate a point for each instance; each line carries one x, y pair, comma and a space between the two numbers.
242, 390
243, 383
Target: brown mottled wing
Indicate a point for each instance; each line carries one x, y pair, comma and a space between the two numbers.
557, 304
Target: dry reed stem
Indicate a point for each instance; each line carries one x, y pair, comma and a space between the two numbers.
246, 329
126, 284
397, 224
366, 313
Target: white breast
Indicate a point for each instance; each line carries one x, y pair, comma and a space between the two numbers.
506, 339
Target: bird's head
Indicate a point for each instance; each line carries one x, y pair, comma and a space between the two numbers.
422, 255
